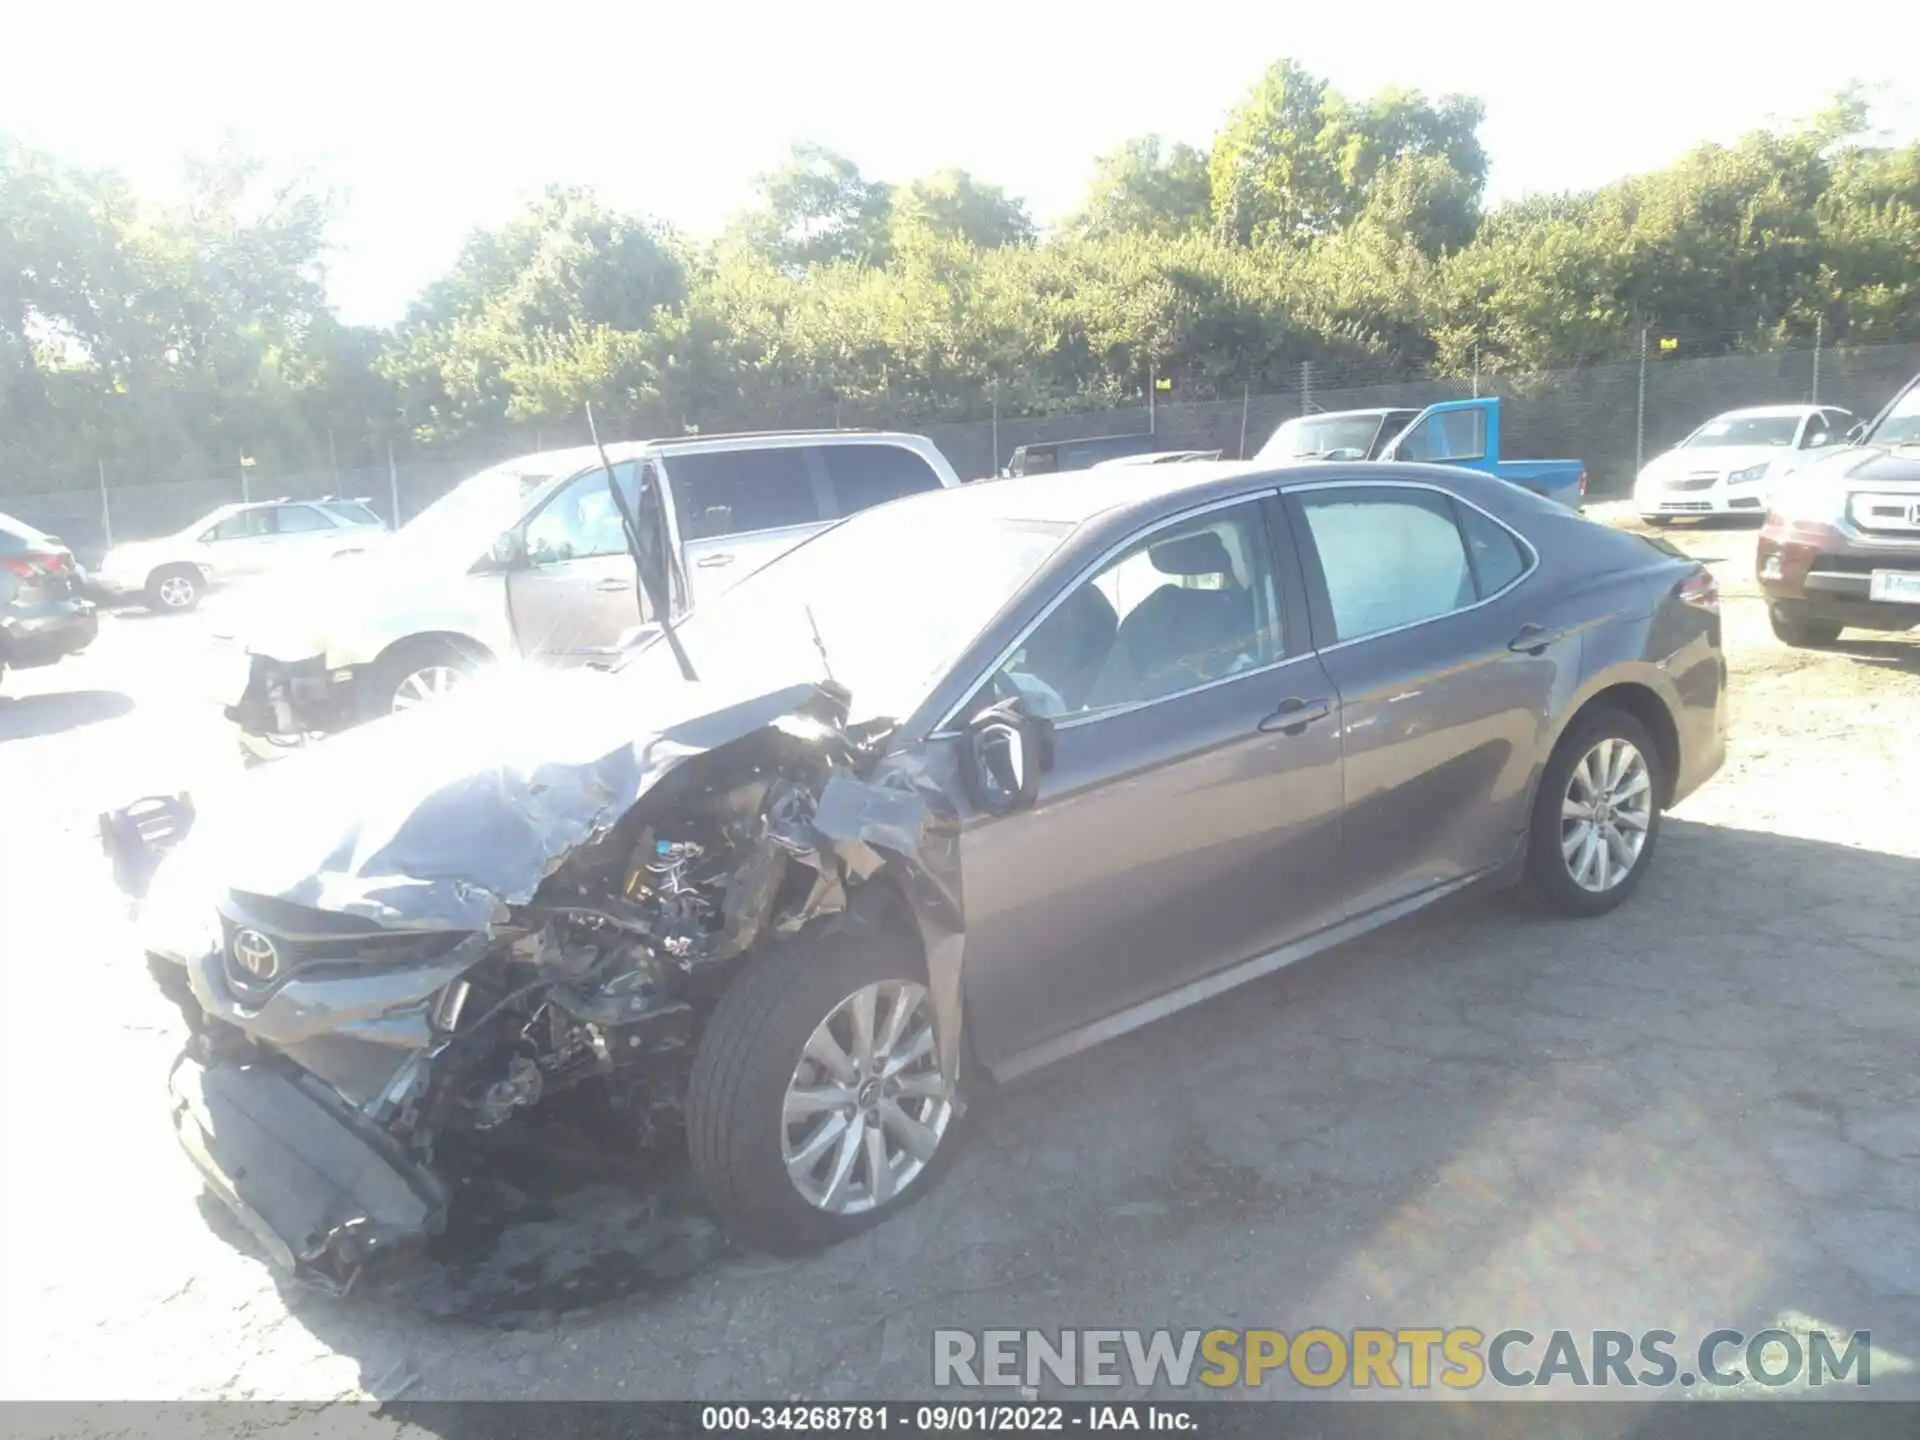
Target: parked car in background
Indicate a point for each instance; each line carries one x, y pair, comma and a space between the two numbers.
234, 542
1731, 464
965, 784
44, 617
1047, 457
1841, 543
1465, 433
529, 559
1335, 435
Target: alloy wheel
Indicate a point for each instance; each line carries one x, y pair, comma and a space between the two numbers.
429, 682
176, 592
867, 1105
1605, 815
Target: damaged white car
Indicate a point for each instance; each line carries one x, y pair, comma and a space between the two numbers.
965, 783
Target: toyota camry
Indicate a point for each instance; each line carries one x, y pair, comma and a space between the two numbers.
960, 786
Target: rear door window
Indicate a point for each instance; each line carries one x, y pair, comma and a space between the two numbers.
351, 513
863, 476
247, 525
1389, 556
735, 492
300, 520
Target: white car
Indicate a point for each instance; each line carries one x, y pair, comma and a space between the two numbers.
1730, 465
529, 560
233, 542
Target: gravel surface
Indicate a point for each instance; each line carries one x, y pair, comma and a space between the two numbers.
1702, 1111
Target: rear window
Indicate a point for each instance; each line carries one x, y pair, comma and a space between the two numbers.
733, 492
867, 475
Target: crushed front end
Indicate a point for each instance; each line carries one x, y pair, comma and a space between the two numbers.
353, 1033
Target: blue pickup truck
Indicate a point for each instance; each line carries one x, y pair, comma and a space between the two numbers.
1459, 432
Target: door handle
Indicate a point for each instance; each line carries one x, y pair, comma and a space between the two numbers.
1292, 716
1534, 639
614, 585
709, 562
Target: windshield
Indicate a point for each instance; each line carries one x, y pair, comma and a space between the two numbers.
1318, 437
1745, 430
1902, 423
896, 594
472, 514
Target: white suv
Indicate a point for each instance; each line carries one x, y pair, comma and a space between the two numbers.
233, 542
529, 560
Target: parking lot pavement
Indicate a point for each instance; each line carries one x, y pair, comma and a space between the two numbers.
1702, 1111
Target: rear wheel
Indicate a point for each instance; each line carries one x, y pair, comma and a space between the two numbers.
1596, 815
416, 672
817, 1105
1791, 627
174, 588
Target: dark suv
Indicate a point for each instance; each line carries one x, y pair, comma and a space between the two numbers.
43, 616
1841, 544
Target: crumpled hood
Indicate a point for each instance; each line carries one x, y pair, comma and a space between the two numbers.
441, 817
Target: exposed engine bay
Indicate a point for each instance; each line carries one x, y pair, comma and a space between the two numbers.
342, 1051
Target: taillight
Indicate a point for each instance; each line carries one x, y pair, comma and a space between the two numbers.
1583, 480
1701, 591
30, 566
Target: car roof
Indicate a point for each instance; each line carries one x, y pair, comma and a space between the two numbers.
1772, 412
579, 457
1075, 496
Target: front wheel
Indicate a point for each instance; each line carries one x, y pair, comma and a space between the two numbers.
1596, 815
415, 673
1799, 631
175, 588
817, 1105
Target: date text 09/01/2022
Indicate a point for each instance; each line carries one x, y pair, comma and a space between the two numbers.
941, 1419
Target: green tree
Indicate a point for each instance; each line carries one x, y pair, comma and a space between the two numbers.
1146, 187
818, 208
1297, 161
953, 205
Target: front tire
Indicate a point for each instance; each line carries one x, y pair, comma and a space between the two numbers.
1596, 815
817, 1106
173, 589
413, 673
1801, 631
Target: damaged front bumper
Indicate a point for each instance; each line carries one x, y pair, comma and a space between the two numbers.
320, 1188
279, 705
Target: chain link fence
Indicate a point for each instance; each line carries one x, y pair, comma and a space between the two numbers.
1613, 416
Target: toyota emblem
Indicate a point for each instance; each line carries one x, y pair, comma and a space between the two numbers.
1913, 516
254, 953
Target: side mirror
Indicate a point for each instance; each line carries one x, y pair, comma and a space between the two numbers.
507, 550
1004, 753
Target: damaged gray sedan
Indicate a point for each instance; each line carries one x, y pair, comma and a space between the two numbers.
966, 783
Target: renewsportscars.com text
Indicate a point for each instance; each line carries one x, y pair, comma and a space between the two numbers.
1462, 1358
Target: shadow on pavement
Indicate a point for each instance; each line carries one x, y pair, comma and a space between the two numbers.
1902, 654
1700, 1111
24, 717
